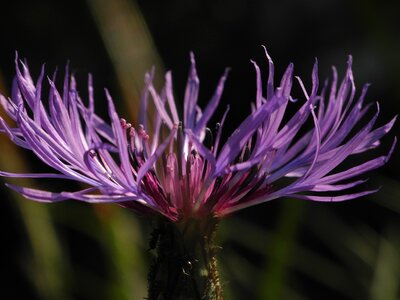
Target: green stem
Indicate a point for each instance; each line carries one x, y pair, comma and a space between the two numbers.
185, 263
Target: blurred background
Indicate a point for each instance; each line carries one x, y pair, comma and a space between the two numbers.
285, 249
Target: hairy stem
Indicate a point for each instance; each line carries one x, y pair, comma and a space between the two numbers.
185, 262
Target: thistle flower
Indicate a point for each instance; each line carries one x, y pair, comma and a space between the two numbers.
183, 170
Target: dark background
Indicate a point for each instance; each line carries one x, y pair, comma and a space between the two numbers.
285, 249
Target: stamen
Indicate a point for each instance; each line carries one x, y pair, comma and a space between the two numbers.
141, 134
132, 132
249, 178
92, 153
180, 148
189, 160
208, 140
123, 123
146, 147
270, 161
141, 129
132, 140
205, 167
135, 162
245, 153
217, 126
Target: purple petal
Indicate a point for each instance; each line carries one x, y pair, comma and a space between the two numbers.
152, 159
212, 105
191, 95
121, 141
37, 195
241, 135
170, 97
34, 175
335, 198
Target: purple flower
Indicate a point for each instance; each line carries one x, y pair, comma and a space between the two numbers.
183, 169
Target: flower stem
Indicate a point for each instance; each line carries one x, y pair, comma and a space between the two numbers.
185, 263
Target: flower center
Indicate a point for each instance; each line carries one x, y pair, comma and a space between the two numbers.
181, 180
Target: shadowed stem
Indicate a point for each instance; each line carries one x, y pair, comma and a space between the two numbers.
185, 263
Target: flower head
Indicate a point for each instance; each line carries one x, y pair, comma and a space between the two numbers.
182, 169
